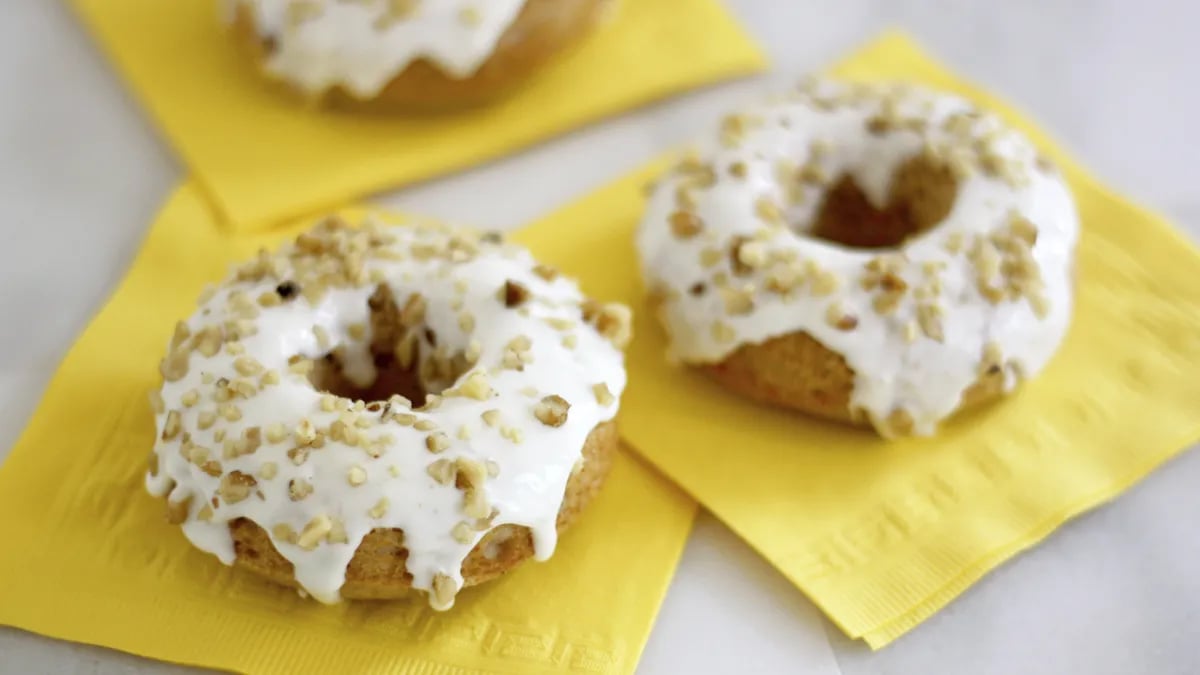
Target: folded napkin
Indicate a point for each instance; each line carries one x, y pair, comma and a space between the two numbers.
883, 534
232, 129
88, 556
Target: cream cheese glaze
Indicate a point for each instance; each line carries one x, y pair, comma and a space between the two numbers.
362, 44
243, 433
989, 285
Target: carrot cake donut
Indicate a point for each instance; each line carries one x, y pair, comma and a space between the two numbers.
875, 254
378, 408
408, 54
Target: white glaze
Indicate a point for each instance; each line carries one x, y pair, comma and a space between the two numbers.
341, 42
924, 377
528, 489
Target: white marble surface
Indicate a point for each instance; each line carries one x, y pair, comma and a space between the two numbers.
1116, 591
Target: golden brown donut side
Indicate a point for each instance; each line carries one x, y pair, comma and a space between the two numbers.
798, 372
377, 570
542, 30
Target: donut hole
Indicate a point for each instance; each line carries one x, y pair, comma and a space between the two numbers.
921, 195
328, 376
405, 354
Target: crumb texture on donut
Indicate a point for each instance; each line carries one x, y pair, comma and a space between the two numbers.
877, 254
408, 54
369, 381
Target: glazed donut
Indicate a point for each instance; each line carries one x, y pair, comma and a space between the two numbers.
406, 55
289, 443
874, 254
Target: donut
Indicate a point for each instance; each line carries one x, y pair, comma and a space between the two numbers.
379, 407
880, 255
407, 55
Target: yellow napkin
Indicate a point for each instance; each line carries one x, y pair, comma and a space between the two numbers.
86, 555
233, 131
881, 535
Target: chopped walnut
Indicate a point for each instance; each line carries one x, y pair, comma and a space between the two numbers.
205, 513
992, 361
751, 254
463, 533
886, 303
304, 433
444, 590
739, 266
235, 486
783, 280
768, 211
552, 411
475, 504
301, 366
470, 473
208, 341
685, 224
738, 301
603, 396
442, 471
298, 489
837, 317
177, 512
437, 442
491, 417
315, 531
413, 312
823, 282
337, 532
276, 433
380, 509
545, 272
929, 318
284, 532
615, 322
246, 365
298, 455
476, 386
405, 350
172, 426
181, 334
514, 294
174, 366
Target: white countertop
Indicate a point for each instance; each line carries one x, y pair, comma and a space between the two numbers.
1116, 591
